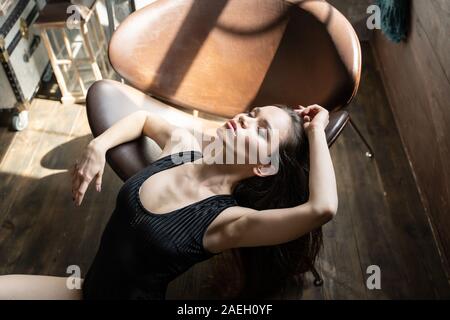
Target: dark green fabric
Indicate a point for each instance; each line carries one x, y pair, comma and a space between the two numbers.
395, 16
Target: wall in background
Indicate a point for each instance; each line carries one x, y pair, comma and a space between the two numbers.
416, 75
356, 12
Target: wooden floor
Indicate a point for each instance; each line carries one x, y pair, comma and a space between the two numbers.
380, 219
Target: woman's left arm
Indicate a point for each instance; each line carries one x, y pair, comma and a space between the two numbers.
322, 180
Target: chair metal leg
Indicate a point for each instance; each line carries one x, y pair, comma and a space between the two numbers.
369, 153
318, 281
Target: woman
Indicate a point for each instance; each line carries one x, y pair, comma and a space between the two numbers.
175, 213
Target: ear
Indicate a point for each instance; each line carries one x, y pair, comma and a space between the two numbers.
265, 170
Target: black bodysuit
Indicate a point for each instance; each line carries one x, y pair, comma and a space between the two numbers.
141, 252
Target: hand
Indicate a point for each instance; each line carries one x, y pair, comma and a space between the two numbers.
90, 166
314, 117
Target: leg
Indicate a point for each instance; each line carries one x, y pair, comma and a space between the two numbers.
102, 112
36, 287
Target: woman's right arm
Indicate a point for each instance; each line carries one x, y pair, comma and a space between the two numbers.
132, 127
250, 228
91, 164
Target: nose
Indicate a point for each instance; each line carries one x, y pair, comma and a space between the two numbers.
242, 121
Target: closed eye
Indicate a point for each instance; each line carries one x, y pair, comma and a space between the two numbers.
262, 130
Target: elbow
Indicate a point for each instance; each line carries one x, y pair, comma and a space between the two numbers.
141, 114
329, 213
326, 212
144, 120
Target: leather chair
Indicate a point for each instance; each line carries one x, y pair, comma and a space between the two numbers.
223, 57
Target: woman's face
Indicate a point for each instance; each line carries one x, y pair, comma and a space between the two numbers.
252, 137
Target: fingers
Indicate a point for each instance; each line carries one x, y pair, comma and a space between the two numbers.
81, 191
73, 172
313, 110
300, 110
313, 114
314, 107
89, 167
80, 183
98, 181
75, 180
303, 113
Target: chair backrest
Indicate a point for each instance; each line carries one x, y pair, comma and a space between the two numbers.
225, 56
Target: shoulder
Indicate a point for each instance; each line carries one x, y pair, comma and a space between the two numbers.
181, 140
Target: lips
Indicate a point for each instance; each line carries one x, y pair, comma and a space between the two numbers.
232, 125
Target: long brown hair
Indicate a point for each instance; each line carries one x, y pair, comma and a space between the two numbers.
267, 268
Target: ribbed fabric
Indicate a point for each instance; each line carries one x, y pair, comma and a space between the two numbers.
141, 252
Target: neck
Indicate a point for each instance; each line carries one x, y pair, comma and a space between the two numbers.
220, 177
